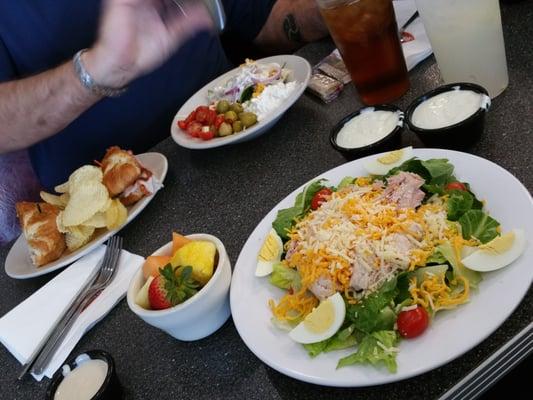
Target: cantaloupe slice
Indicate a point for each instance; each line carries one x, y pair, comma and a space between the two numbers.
178, 241
153, 263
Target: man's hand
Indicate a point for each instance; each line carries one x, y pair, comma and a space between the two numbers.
136, 36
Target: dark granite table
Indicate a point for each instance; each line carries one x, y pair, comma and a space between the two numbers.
226, 192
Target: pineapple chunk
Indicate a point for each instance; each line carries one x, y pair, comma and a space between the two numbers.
200, 255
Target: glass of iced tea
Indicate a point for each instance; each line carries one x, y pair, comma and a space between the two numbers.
366, 34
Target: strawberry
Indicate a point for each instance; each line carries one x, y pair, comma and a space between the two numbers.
171, 287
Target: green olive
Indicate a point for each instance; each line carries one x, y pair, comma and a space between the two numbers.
248, 119
237, 107
225, 129
230, 116
237, 126
222, 106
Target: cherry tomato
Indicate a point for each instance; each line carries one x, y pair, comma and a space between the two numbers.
412, 323
208, 133
190, 118
211, 116
202, 113
194, 129
320, 197
218, 120
182, 124
456, 186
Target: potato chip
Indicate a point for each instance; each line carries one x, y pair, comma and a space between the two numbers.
58, 201
83, 176
77, 236
116, 215
63, 188
59, 222
85, 201
98, 220
106, 205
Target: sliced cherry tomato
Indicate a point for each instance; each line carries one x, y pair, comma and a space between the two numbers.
201, 114
182, 124
320, 197
218, 120
191, 117
194, 129
456, 186
210, 117
412, 323
207, 132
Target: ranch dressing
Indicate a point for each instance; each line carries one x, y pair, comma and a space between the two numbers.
448, 108
368, 127
83, 382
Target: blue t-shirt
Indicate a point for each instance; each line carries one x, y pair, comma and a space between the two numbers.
36, 35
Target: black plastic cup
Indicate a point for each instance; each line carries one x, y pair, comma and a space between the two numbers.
390, 142
110, 389
457, 136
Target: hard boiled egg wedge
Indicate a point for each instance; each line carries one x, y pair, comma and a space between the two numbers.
269, 254
388, 161
497, 253
321, 323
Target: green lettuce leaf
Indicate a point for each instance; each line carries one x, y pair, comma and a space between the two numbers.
343, 339
287, 217
348, 180
314, 349
477, 224
370, 315
369, 351
447, 251
460, 202
440, 170
436, 258
285, 277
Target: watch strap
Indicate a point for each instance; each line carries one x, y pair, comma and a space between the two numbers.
87, 80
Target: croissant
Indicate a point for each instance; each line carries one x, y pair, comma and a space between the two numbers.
120, 168
38, 222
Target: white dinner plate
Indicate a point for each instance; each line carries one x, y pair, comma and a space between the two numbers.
450, 334
18, 263
301, 72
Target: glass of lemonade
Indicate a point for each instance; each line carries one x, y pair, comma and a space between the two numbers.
467, 39
366, 34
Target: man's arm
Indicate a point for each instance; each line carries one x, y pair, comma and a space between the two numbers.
34, 108
135, 37
291, 23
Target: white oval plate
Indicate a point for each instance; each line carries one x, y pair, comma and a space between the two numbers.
301, 72
451, 333
18, 263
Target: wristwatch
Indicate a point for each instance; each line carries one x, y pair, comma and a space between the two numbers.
87, 80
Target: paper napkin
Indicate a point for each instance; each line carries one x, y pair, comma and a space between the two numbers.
23, 328
420, 48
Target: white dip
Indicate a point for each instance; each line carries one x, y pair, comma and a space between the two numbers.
83, 382
368, 127
270, 99
447, 109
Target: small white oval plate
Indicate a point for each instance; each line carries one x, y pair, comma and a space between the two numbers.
18, 263
301, 72
451, 333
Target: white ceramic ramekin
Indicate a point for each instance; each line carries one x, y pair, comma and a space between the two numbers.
203, 313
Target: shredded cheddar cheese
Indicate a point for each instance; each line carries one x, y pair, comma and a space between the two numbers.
357, 240
433, 293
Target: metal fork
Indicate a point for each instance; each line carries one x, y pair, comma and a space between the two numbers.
95, 284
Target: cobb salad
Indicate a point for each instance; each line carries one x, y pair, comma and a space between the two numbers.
370, 261
245, 99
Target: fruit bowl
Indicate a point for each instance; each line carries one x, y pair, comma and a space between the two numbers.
200, 315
